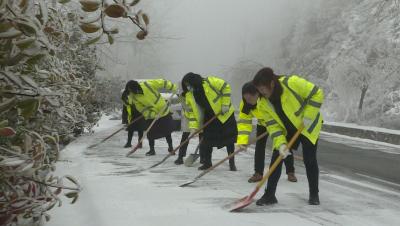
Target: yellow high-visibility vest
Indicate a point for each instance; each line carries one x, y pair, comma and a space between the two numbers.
218, 94
300, 99
245, 123
151, 103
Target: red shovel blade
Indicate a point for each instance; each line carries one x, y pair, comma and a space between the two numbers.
241, 203
132, 151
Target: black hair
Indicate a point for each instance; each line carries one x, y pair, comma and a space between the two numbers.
133, 86
264, 77
184, 88
249, 88
192, 79
125, 95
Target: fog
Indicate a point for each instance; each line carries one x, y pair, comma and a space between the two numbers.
203, 36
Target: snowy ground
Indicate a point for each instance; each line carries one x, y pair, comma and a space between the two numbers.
116, 192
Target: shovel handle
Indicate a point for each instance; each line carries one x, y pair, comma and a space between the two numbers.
198, 146
194, 134
111, 135
231, 155
151, 125
279, 159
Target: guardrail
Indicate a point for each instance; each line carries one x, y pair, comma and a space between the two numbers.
372, 133
377, 134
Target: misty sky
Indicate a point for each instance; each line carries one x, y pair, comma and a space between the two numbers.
205, 36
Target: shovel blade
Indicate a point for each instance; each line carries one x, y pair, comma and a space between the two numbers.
241, 203
191, 159
187, 183
92, 146
132, 151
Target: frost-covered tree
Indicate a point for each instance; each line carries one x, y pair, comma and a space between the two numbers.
241, 72
47, 96
350, 80
351, 49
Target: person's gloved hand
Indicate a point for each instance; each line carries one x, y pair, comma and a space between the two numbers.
307, 122
283, 151
241, 147
225, 109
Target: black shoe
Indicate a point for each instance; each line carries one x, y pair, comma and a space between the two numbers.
151, 152
291, 177
170, 150
128, 146
266, 199
314, 199
255, 178
204, 167
179, 161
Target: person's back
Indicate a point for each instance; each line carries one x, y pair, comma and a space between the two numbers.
212, 97
148, 100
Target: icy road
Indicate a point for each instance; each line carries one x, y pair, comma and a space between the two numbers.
116, 192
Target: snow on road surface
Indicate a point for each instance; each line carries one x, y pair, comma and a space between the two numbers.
117, 192
361, 143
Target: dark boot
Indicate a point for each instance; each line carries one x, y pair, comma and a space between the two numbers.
129, 141
140, 136
169, 142
151, 152
255, 178
232, 166
204, 167
267, 199
291, 177
179, 161
314, 199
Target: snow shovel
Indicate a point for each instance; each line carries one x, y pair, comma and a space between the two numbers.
149, 128
191, 159
247, 200
184, 142
222, 161
119, 130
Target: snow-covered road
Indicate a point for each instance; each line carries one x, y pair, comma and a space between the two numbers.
116, 192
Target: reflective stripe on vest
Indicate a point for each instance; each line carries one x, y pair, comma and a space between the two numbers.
158, 96
314, 123
219, 93
276, 134
300, 100
244, 133
271, 122
245, 121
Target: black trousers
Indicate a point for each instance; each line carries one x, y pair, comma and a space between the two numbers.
206, 153
169, 141
130, 135
183, 148
259, 155
310, 162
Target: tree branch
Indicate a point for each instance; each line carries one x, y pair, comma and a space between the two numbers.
50, 185
134, 21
